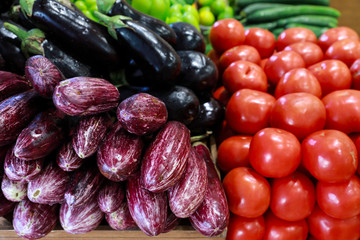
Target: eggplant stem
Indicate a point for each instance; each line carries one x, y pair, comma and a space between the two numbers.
112, 23
105, 6
21, 34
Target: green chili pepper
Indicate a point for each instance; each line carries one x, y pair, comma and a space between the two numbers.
155, 8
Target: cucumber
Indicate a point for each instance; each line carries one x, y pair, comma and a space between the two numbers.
318, 30
273, 14
265, 25
243, 3
317, 20
277, 31
259, 6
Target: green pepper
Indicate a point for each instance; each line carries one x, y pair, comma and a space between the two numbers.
87, 7
183, 13
155, 8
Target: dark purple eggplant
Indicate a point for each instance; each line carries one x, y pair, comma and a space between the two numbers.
33, 220
49, 186
155, 57
45, 133
121, 219
67, 159
5, 5
188, 37
122, 7
13, 191
16, 112
148, 209
198, 71
81, 219
127, 91
111, 196
119, 156
11, 84
71, 29
6, 206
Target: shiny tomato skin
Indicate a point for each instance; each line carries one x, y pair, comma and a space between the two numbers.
299, 113
223, 132
309, 51
261, 39
280, 63
355, 74
274, 152
329, 155
243, 74
241, 228
225, 34
325, 227
278, 229
339, 200
234, 152
332, 75
293, 35
222, 95
334, 34
346, 50
292, 197
241, 52
215, 57
263, 62
342, 110
248, 192
298, 80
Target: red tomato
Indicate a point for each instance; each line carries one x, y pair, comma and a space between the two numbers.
280, 63
332, 75
355, 73
324, 227
215, 57
292, 197
329, 155
225, 34
244, 74
293, 35
339, 200
261, 39
309, 51
241, 228
222, 95
234, 152
346, 50
248, 192
274, 152
223, 132
263, 62
334, 34
355, 137
278, 229
342, 110
298, 113
248, 111
242, 52
298, 80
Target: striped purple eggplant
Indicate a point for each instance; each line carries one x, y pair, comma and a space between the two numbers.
6, 206
33, 220
16, 112
189, 192
148, 209
49, 186
11, 84
85, 96
142, 114
3, 151
89, 133
111, 196
172, 221
165, 159
67, 159
45, 133
119, 156
121, 219
81, 219
12, 190
43, 75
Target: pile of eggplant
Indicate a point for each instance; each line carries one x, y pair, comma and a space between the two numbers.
99, 121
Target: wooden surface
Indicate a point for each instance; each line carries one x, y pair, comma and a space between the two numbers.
350, 13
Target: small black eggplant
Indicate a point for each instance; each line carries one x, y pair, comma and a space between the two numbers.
121, 7
188, 37
5, 5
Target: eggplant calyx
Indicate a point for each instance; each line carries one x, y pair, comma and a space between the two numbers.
27, 7
112, 23
105, 6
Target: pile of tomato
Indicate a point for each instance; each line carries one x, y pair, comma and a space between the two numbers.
288, 147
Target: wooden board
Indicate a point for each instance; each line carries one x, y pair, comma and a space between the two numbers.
349, 13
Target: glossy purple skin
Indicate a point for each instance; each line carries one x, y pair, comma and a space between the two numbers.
16, 112
142, 114
81, 96
43, 75
212, 216
119, 156
148, 209
67, 159
172, 222
11, 84
12, 190
165, 159
81, 219
189, 192
49, 186
45, 133
3, 151
89, 133
84, 184
121, 218
111, 196
6, 206
33, 220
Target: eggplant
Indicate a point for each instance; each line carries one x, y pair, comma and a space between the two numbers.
121, 219
156, 58
11, 84
5, 5
13, 191
73, 30
121, 7
6, 206
188, 37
